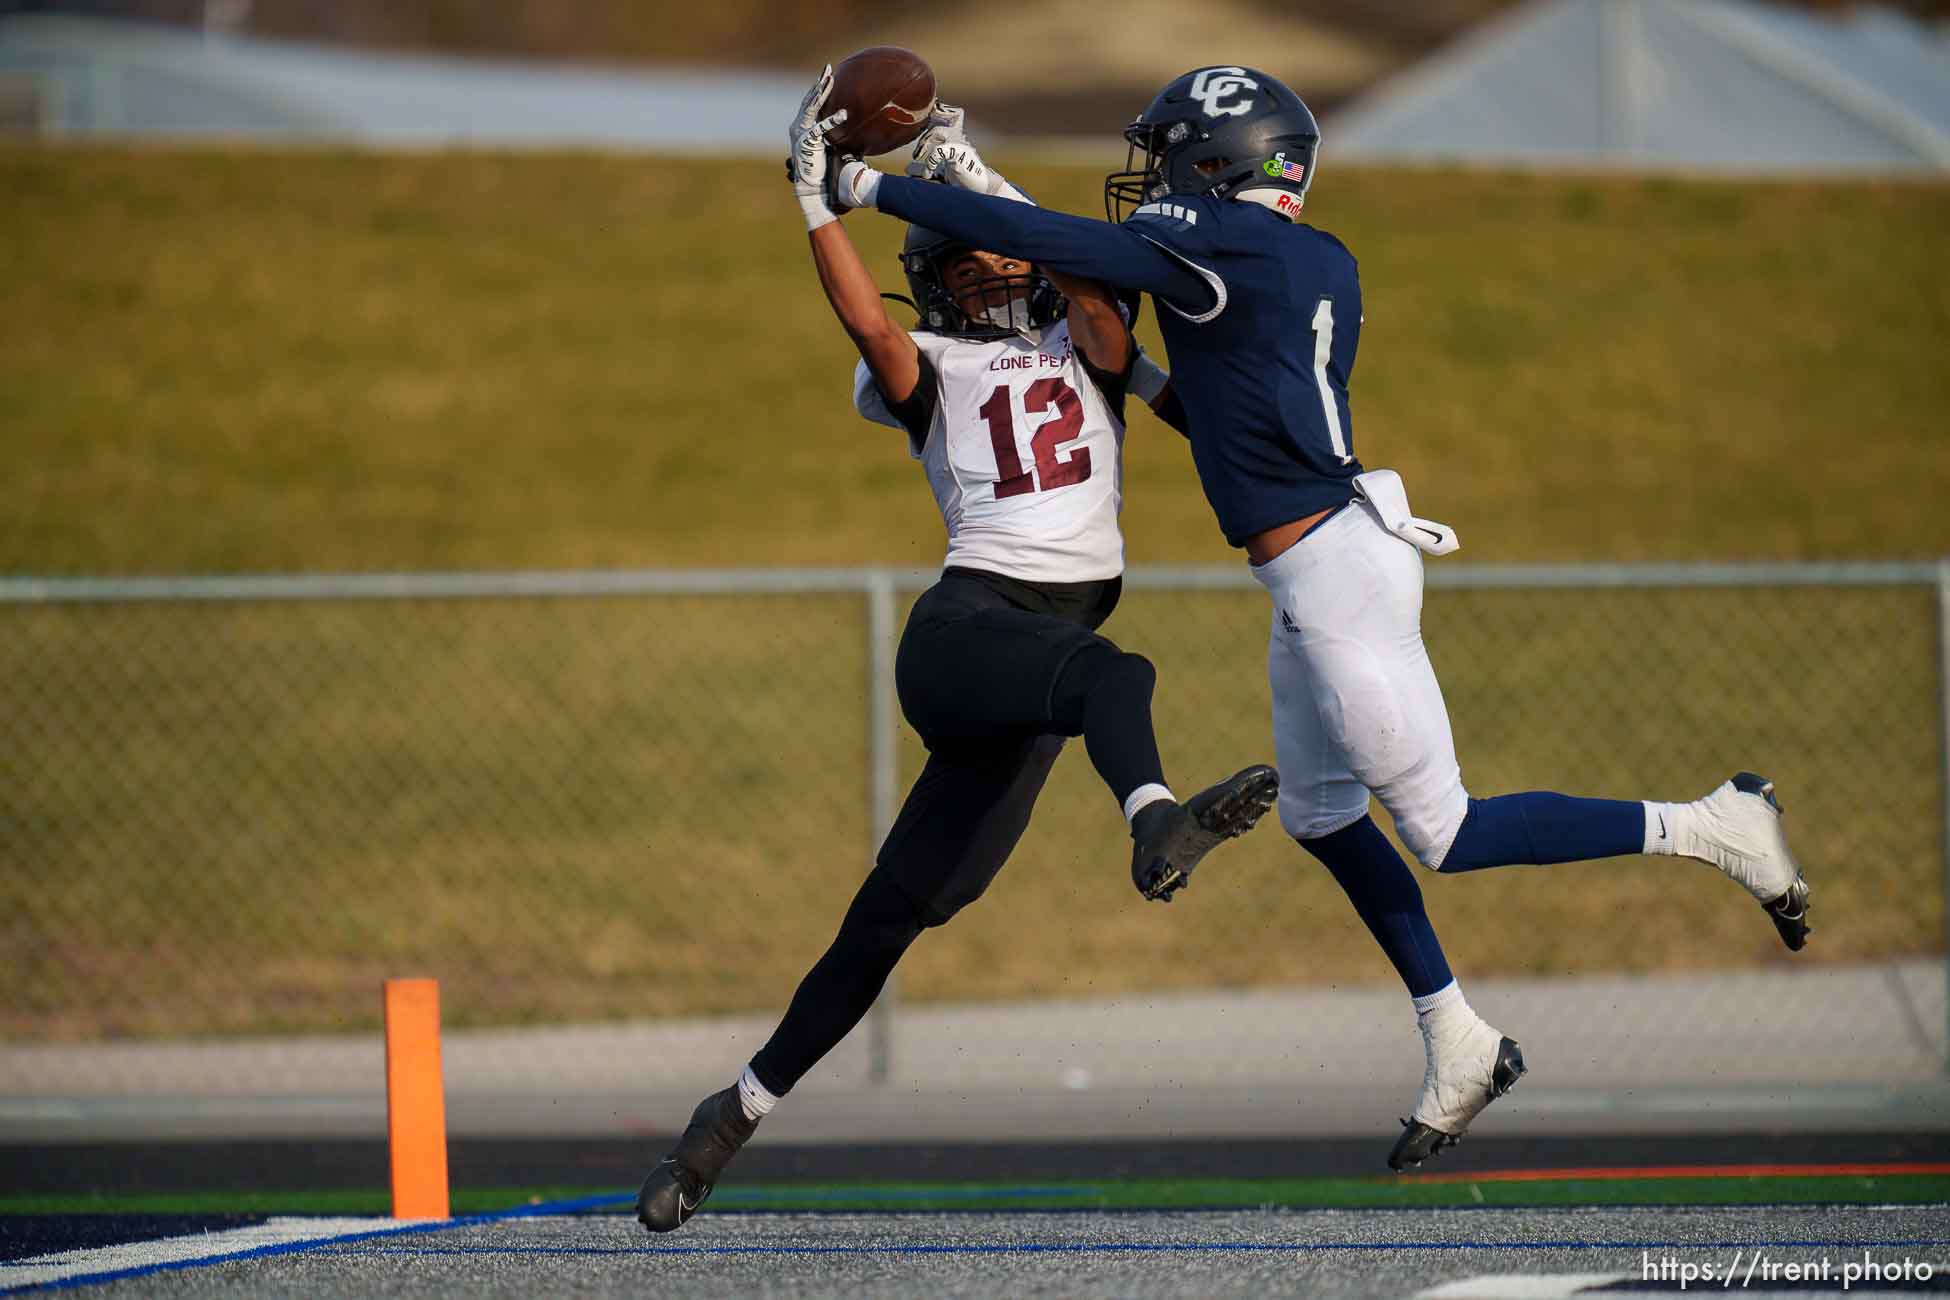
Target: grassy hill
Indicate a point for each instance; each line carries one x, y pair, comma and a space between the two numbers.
222, 361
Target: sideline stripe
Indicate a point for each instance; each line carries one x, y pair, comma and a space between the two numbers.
278, 1236
1159, 1247
1613, 1173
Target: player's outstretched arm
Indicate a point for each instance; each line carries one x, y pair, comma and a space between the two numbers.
887, 348
1097, 324
849, 286
1057, 241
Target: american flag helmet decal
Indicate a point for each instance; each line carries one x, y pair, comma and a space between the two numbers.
1281, 170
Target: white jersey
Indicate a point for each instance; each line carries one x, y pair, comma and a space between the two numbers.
1025, 456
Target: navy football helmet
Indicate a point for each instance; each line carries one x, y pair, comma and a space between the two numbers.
1220, 131
1011, 303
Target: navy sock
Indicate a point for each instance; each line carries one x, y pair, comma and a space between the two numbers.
1383, 890
1541, 827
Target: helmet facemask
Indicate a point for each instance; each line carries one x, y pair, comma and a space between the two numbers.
1127, 191
979, 306
1178, 158
1001, 300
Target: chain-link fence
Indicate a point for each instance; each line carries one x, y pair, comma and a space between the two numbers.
233, 806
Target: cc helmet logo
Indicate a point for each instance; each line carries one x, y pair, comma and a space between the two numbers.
1212, 86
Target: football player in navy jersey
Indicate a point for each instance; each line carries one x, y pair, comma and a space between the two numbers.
1261, 316
1011, 396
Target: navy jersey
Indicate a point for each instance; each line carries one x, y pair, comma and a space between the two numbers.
1261, 319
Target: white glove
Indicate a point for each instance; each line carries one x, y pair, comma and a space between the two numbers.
856, 186
957, 163
943, 153
944, 127
806, 164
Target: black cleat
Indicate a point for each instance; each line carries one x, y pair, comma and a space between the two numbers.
1171, 838
1789, 913
1419, 1141
683, 1180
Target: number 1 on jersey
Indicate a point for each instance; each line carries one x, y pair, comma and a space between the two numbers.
1323, 326
1067, 423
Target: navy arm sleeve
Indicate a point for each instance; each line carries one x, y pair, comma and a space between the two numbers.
1081, 246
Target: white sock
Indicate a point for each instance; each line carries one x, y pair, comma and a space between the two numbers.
1662, 826
752, 1095
1144, 796
1449, 994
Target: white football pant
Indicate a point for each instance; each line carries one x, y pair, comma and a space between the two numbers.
1356, 707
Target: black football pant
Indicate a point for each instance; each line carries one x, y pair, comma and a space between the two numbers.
993, 675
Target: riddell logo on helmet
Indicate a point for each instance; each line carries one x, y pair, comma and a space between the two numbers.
1288, 204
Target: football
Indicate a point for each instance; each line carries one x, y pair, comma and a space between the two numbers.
887, 93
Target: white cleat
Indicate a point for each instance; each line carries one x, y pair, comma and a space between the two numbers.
1464, 1075
1737, 828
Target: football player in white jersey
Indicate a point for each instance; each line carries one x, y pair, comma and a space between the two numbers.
1012, 399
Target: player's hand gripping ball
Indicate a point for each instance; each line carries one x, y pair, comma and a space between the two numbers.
887, 93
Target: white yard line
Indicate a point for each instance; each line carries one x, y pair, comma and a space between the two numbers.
274, 1236
1521, 1286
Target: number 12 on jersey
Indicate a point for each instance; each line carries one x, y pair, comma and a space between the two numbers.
1052, 471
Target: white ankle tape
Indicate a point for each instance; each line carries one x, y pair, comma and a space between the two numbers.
754, 1096
1144, 795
